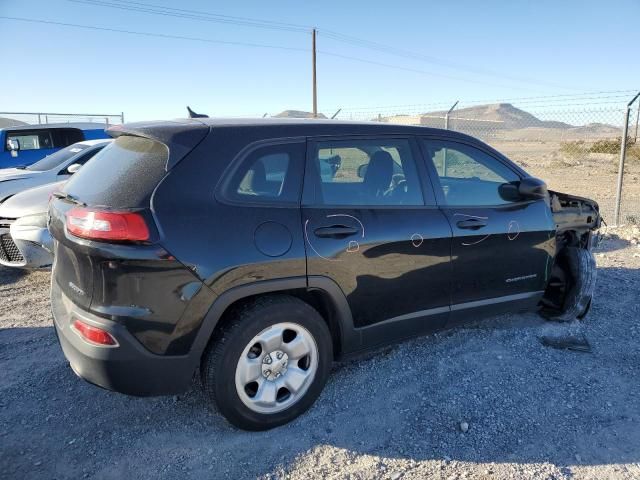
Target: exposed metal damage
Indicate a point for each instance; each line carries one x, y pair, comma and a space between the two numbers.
575, 218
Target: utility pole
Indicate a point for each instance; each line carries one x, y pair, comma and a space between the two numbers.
623, 154
313, 75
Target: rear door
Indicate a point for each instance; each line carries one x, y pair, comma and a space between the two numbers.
502, 247
371, 224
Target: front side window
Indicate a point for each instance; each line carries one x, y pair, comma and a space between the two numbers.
56, 159
268, 174
80, 160
31, 139
366, 172
87, 156
468, 176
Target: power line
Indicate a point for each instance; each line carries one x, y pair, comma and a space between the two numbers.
243, 44
246, 44
160, 35
415, 70
379, 47
195, 15
268, 24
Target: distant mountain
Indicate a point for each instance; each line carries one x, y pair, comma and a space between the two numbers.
10, 122
597, 129
498, 115
297, 114
504, 115
508, 122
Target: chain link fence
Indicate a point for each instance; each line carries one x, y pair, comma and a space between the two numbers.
572, 142
9, 119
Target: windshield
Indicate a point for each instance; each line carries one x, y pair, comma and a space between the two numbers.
58, 158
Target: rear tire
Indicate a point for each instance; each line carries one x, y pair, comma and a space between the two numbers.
268, 363
571, 287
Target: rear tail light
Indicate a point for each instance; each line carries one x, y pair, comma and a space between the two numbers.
94, 335
107, 225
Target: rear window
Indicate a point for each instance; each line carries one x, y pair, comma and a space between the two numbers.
122, 175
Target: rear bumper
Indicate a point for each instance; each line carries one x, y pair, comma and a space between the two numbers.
127, 368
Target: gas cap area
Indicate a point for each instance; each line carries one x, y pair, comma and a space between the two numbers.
273, 239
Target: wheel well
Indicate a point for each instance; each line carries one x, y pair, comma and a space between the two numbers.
572, 238
316, 298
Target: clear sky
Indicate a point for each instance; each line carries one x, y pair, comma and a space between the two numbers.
464, 49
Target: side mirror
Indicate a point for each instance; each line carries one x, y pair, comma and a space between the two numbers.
362, 170
526, 189
73, 168
13, 145
532, 189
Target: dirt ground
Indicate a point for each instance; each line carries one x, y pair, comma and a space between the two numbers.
484, 401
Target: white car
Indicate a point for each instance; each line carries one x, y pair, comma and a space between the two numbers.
52, 168
25, 241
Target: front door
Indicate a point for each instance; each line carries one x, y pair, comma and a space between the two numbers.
371, 225
502, 247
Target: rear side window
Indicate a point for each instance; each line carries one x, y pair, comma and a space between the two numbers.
269, 174
122, 175
66, 136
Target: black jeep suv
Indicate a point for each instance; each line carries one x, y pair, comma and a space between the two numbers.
258, 251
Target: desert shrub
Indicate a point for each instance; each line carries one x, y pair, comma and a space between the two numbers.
573, 149
608, 145
612, 145
632, 219
633, 153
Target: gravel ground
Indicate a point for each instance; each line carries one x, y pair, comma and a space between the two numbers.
484, 401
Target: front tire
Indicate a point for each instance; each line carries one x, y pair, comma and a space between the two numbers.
570, 290
268, 363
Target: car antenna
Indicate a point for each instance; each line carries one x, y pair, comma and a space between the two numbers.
193, 114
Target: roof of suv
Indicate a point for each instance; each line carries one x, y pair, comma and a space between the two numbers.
80, 125
297, 125
91, 143
306, 122
181, 135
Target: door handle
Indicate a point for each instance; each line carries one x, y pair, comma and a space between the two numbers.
471, 224
335, 231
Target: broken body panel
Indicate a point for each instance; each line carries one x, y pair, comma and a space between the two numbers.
575, 219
